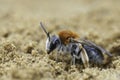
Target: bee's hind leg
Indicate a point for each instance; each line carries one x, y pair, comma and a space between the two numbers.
85, 58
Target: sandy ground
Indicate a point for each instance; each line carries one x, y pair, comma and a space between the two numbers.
22, 42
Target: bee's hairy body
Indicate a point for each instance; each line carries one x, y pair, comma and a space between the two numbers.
67, 42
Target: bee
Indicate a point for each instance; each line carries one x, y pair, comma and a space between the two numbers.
67, 42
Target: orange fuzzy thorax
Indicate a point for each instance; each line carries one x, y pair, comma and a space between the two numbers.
65, 36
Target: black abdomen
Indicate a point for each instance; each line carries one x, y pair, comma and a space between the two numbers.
94, 54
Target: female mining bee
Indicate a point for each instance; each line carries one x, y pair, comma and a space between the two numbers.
67, 42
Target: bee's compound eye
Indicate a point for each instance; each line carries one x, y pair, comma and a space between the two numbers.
57, 41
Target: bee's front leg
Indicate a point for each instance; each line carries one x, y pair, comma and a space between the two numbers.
73, 60
59, 51
57, 55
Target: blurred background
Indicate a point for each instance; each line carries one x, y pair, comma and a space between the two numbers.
80, 13
56, 8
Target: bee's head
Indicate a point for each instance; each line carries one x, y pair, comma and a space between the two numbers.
52, 43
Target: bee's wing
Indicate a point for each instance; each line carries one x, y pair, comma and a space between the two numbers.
88, 42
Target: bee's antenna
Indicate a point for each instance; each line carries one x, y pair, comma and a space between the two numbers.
47, 33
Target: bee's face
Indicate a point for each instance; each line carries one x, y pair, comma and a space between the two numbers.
52, 43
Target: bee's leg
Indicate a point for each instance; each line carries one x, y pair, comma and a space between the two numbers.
73, 60
57, 55
85, 58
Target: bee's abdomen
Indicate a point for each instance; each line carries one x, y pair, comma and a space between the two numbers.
94, 54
